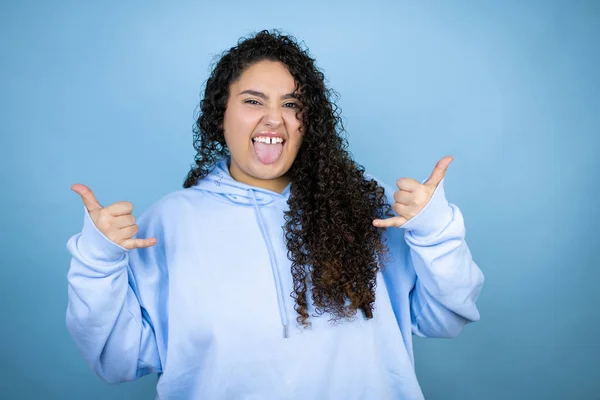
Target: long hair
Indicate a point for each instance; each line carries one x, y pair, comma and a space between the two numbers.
333, 246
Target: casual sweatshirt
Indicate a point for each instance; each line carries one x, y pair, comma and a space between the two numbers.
209, 309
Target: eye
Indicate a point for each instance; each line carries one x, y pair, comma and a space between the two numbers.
251, 101
291, 105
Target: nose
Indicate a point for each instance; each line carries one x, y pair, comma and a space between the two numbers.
272, 117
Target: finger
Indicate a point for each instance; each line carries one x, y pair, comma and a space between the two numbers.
404, 197
407, 184
89, 200
124, 221
439, 171
135, 243
406, 212
120, 208
126, 233
389, 222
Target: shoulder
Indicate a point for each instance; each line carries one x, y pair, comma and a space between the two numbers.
389, 189
170, 206
394, 236
179, 197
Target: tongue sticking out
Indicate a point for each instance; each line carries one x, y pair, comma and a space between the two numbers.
268, 153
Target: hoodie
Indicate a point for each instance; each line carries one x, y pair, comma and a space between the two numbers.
208, 308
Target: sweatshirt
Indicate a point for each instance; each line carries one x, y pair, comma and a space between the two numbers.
208, 308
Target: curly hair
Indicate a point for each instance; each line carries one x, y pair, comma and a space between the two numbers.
333, 246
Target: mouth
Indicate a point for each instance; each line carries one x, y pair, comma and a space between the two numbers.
268, 149
268, 139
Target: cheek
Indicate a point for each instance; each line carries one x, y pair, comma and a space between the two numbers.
239, 124
296, 138
293, 127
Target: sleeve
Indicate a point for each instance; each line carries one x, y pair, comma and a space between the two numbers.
106, 315
448, 282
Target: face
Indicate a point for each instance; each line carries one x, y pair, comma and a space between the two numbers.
261, 129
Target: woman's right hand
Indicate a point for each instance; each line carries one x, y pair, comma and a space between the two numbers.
114, 221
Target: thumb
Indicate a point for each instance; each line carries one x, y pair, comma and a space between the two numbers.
89, 200
439, 171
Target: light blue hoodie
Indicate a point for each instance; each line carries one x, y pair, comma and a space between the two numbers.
209, 307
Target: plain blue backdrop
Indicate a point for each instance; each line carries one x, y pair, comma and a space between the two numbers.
105, 94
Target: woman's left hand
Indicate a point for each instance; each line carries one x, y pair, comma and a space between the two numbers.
412, 196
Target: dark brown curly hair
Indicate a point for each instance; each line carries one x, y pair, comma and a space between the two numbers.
331, 241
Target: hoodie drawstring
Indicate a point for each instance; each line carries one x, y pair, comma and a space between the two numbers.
274, 268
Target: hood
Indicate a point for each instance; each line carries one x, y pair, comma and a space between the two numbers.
220, 182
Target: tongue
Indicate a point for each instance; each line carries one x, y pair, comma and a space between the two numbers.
268, 153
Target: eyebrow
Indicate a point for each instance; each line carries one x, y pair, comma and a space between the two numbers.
265, 97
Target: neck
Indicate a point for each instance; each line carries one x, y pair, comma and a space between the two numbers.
276, 185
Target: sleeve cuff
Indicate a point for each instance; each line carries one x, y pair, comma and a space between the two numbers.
95, 246
434, 217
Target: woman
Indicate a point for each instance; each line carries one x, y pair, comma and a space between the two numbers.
222, 288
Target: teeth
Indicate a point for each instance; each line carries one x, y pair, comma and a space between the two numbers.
268, 140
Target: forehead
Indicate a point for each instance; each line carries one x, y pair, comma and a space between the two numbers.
266, 75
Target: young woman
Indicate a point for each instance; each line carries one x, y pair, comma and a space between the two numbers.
278, 271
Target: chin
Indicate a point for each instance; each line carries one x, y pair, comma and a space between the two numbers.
268, 171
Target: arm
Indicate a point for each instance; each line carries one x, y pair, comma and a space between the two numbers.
448, 281
105, 316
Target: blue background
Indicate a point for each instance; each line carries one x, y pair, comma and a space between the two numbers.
106, 93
